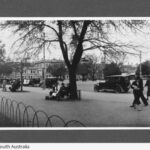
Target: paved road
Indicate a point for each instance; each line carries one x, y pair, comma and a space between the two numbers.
94, 110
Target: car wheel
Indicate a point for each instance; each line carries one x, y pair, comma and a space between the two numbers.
118, 89
95, 89
127, 90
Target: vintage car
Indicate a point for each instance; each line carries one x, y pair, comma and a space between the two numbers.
26, 82
116, 83
49, 82
34, 82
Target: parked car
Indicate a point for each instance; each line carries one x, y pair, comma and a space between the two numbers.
49, 82
35, 82
26, 82
116, 83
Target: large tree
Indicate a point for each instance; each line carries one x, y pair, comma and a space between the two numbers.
74, 38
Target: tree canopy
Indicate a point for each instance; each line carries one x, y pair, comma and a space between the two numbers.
111, 69
74, 37
145, 68
57, 70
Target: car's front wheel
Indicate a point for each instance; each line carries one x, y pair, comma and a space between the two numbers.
118, 89
95, 88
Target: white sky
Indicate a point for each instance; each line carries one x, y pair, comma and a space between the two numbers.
142, 39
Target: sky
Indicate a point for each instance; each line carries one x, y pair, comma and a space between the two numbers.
141, 39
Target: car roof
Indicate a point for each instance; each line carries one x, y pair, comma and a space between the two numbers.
119, 75
52, 78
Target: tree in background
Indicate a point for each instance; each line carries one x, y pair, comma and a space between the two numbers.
93, 66
57, 70
88, 67
83, 35
5, 67
83, 70
111, 69
2, 52
145, 66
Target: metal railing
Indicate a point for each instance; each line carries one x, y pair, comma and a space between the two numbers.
26, 116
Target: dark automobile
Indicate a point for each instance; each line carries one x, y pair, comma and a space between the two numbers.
49, 82
117, 83
34, 82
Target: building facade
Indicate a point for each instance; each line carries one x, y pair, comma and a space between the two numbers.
34, 70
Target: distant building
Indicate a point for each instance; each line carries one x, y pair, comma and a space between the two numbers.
34, 70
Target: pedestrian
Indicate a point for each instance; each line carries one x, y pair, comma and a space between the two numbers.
148, 87
140, 86
62, 91
4, 85
137, 87
136, 101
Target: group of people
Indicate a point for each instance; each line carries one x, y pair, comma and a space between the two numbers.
138, 88
60, 91
14, 85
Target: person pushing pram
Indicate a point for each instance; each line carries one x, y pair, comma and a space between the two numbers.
15, 86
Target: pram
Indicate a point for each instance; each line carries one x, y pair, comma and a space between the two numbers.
15, 86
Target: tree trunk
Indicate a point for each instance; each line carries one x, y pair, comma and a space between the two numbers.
21, 77
21, 82
73, 85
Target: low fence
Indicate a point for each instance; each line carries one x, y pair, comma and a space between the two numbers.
26, 116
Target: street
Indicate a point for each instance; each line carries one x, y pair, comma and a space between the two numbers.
100, 109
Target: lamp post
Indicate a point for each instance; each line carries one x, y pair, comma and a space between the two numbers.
21, 75
24, 60
103, 64
140, 66
44, 65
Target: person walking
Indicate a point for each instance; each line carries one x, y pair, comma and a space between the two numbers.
141, 95
136, 101
137, 87
148, 87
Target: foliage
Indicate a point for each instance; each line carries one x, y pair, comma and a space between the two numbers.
2, 52
88, 66
74, 38
111, 69
57, 70
5, 69
145, 68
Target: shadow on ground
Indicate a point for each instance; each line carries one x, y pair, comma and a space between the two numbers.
5, 122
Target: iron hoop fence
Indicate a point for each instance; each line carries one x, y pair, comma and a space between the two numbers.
27, 116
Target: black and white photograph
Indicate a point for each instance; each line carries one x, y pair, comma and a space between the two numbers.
74, 72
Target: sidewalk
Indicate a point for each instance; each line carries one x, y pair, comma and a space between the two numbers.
94, 110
